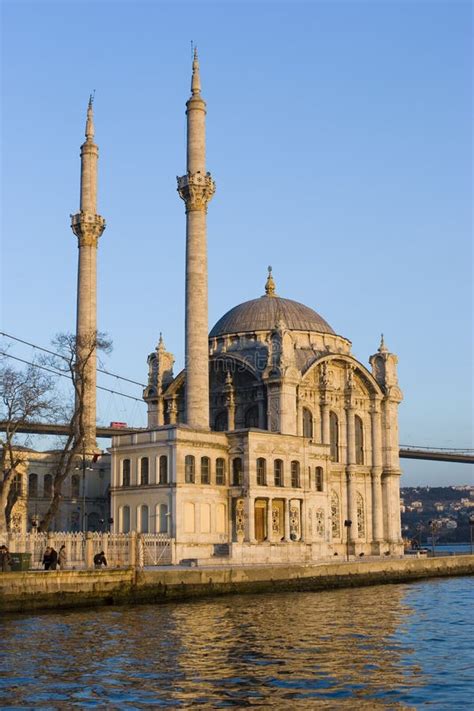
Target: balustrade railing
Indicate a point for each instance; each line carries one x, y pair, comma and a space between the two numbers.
121, 550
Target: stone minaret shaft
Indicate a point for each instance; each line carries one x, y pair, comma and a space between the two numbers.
88, 226
196, 188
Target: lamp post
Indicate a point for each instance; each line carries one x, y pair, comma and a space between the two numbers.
84, 467
471, 527
347, 525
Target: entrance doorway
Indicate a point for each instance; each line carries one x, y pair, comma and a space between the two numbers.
260, 520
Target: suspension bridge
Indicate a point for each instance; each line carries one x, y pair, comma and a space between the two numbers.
440, 454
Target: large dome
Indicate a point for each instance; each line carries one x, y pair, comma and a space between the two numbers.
264, 313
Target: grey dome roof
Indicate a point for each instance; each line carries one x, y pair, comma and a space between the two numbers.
264, 313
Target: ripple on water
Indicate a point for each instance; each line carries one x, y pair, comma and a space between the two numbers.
396, 646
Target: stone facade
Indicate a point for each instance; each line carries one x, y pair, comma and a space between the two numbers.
274, 444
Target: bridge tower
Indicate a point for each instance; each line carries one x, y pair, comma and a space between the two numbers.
88, 226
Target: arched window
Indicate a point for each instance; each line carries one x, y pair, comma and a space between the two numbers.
220, 471
124, 519
126, 472
162, 518
251, 416
75, 486
319, 479
220, 423
237, 471
359, 440
278, 472
205, 470
144, 471
143, 519
48, 486
335, 515
17, 485
360, 516
334, 436
295, 474
307, 423
261, 471
33, 486
163, 469
189, 469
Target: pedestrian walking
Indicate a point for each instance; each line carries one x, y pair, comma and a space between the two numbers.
62, 557
50, 559
100, 560
5, 559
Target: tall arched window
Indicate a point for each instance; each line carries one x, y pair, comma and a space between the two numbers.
334, 436
144, 471
126, 472
295, 474
17, 485
359, 440
163, 469
75, 486
33, 486
205, 470
251, 416
48, 486
220, 423
360, 516
261, 471
307, 423
162, 518
124, 519
335, 515
237, 471
189, 469
143, 519
220, 471
319, 479
278, 472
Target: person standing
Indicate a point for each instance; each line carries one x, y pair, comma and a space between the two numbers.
62, 557
5, 559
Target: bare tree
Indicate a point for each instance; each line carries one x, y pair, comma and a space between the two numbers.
27, 396
74, 354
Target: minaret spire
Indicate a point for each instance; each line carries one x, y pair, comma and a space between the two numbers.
196, 188
196, 79
88, 226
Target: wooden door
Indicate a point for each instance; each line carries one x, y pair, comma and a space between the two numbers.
259, 523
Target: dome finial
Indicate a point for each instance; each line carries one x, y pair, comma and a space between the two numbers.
270, 284
382, 348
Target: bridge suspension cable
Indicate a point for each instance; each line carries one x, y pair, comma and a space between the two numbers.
65, 375
47, 350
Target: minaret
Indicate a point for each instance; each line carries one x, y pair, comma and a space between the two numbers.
196, 188
88, 226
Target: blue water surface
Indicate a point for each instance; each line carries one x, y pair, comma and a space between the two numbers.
381, 647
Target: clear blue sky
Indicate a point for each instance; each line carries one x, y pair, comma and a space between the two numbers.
339, 136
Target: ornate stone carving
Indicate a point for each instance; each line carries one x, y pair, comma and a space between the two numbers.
196, 190
240, 519
294, 522
87, 228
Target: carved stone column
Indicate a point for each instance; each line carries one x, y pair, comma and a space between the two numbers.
352, 504
261, 409
287, 519
325, 431
376, 472
270, 520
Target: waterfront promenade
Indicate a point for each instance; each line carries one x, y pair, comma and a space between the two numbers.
34, 590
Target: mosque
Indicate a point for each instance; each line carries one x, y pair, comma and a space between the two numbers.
274, 444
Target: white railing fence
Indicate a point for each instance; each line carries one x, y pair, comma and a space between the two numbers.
120, 549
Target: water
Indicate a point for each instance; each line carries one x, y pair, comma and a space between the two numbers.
383, 647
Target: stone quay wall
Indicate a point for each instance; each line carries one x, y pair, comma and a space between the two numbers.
23, 592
